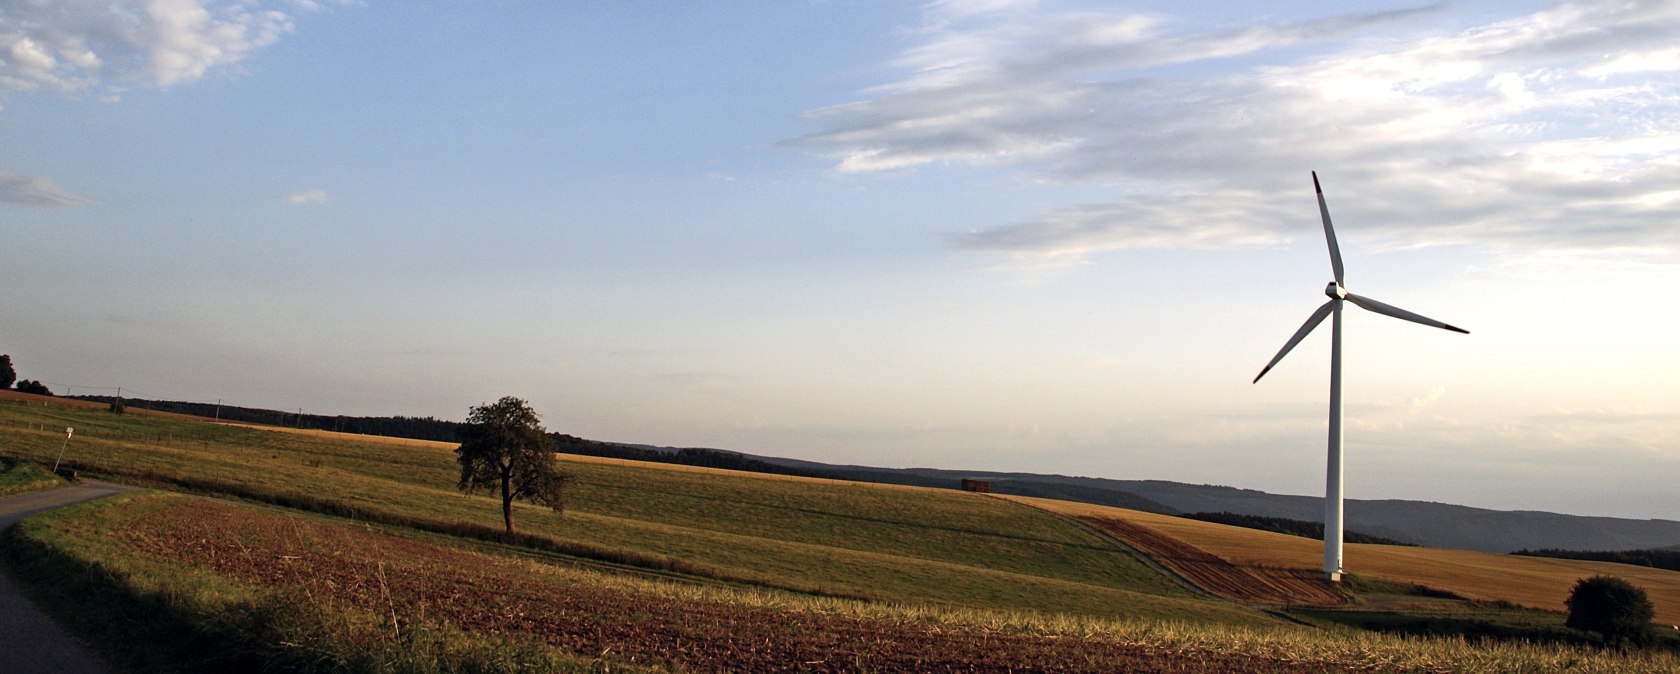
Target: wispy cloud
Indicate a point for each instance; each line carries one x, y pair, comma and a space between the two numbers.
1555, 130
1145, 221
73, 45
30, 190
301, 197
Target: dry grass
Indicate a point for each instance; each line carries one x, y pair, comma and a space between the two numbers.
1533, 582
596, 460
352, 437
605, 461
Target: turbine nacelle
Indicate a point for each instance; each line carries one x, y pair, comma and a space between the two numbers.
1336, 291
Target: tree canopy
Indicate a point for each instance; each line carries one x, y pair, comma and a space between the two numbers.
1614, 608
505, 450
32, 386
7, 374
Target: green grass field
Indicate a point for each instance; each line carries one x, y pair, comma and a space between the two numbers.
896, 578
17, 477
941, 547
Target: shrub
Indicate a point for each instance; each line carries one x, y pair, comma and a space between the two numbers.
1614, 608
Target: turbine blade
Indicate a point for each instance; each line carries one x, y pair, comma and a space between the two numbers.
1369, 304
1307, 327
1329, 232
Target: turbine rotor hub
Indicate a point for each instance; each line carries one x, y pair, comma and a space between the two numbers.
1335, 291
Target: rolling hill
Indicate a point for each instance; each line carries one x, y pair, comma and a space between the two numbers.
360, 547
1419, 522
1534, 582
1430, 524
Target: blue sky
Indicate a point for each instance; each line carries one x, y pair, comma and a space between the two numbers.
1043, 236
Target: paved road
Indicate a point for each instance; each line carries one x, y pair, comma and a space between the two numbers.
30, 641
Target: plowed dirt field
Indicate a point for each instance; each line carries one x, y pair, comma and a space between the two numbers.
495, 595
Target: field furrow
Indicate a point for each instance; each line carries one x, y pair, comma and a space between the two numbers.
1247, 584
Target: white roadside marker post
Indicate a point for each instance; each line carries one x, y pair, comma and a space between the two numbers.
68, 431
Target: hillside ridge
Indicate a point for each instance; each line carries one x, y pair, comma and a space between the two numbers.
1427, 523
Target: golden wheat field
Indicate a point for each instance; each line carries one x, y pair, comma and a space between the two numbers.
1533, 582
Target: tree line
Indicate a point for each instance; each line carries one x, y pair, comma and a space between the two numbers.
8, 374
1284, 525
1661, 558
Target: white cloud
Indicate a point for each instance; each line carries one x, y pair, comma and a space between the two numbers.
1656, 60
30, 190
73, 45
1548, 131
306, 197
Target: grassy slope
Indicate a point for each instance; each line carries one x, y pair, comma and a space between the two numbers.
17, 477
1533, 582
262, 586
900, 544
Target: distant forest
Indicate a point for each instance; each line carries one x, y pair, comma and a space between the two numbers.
1666, 558
418, 428
1302, 528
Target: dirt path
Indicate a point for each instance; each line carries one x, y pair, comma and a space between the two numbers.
29, 640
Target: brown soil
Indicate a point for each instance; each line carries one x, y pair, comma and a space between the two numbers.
1241, 583
493, 595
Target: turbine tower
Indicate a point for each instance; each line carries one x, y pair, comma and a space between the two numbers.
1333, 308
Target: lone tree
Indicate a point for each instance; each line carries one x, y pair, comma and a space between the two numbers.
7, 374
503, 447
1610, 606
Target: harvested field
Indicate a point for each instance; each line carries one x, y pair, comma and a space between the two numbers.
590, 615
1532, 582
1247, 583
21, 398
339, 435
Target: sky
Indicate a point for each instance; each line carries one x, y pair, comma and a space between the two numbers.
1056, 237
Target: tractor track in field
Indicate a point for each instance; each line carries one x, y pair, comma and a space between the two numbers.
1137, 553
1245, 584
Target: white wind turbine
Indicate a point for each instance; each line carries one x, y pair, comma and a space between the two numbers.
1338, 293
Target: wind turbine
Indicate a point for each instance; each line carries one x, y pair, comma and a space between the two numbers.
1333, 308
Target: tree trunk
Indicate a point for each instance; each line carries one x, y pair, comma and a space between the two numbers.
507, 502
